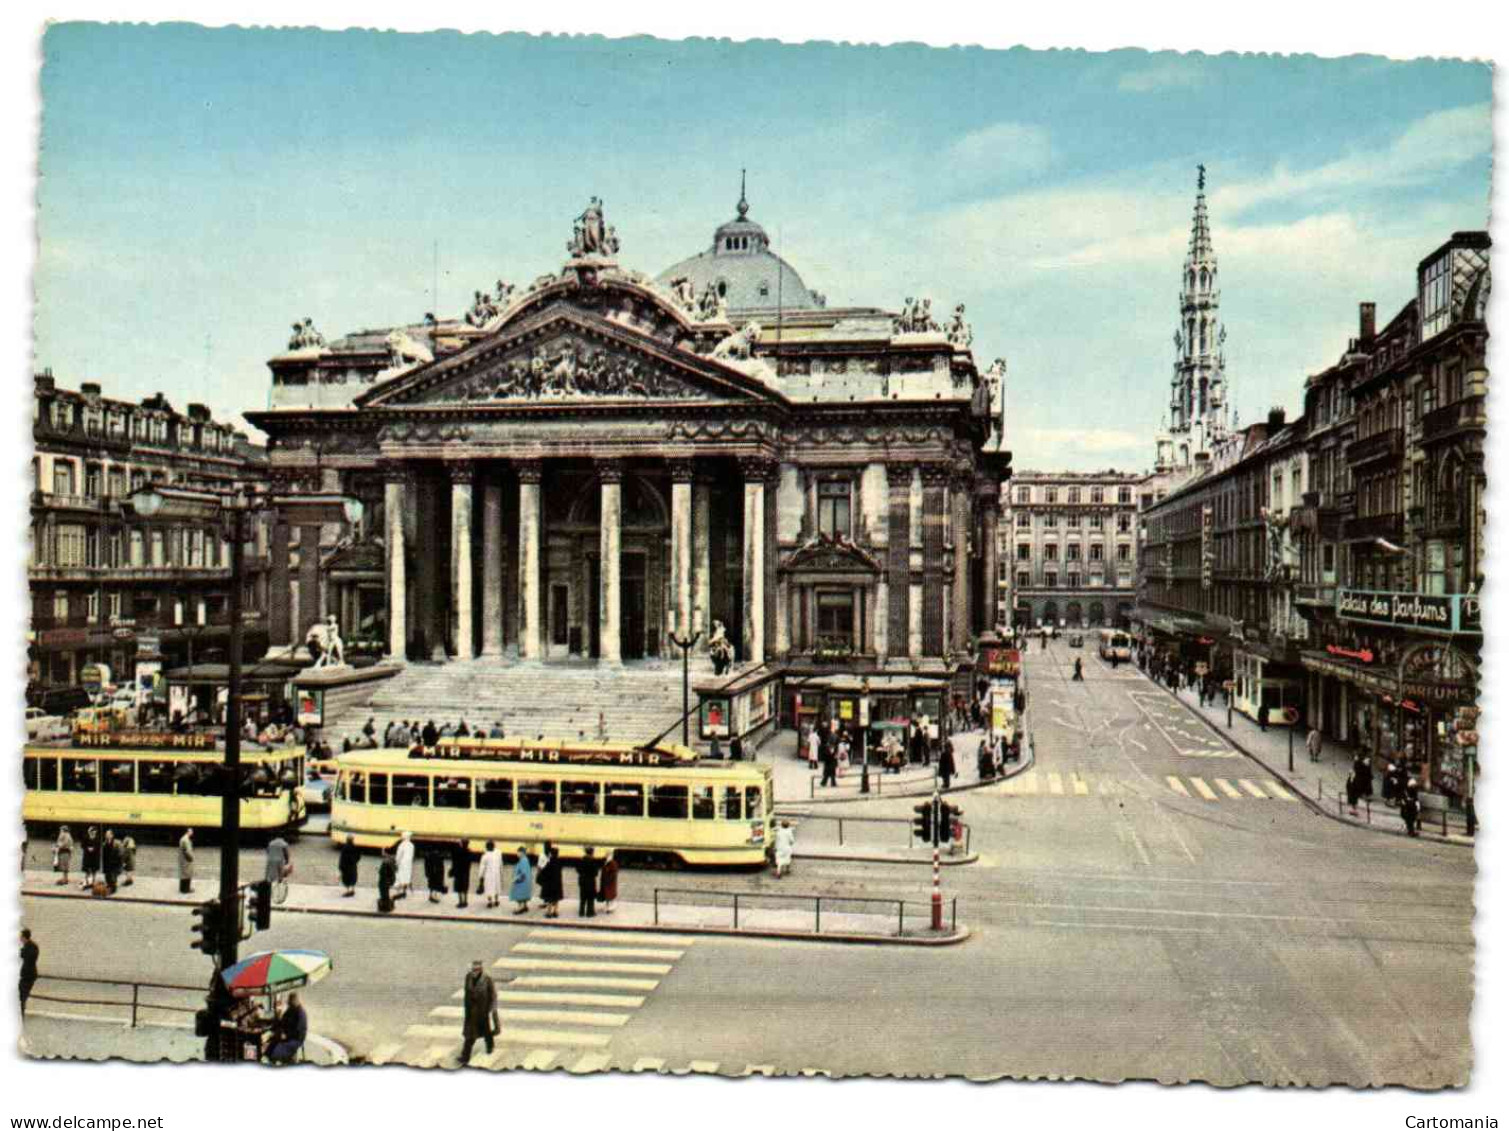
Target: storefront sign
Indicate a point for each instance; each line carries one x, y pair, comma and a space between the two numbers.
1361, 655
1001, 662
1446, 613
482, 750
1207, 546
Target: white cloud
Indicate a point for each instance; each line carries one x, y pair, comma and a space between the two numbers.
1004, 151
1428, 147
1179, 71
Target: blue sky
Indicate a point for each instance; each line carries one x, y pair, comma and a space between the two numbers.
201, 189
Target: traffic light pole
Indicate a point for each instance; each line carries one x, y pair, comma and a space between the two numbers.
230, 784
937, 880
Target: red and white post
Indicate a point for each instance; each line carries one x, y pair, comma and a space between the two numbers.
937, 836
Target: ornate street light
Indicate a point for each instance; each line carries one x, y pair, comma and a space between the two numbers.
232, 507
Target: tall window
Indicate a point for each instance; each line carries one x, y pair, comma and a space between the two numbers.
1071, 520
1435, 296
1097, 551
1123, 553
1023, 519
1123, 523
1097, 494
1052, 494
1097, 521
60, 605
1024, 551
833, 499
1023, 579
835, 615
1071, 552
1024, 494
1074, 494
1050, 581
1050, 552
72, 546
159, 549
62, 478
1123, 494
1050, 520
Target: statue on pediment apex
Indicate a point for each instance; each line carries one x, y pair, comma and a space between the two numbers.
740, 346
590, 235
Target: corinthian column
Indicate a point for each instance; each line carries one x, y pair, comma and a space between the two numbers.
610, 475
681, 544
492, 568
394, 500
755, 473
530, 613
461, 560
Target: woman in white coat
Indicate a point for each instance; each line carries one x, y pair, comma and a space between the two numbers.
785, 846
492, 874
404, 858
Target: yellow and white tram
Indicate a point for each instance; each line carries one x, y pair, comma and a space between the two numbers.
131, 780
659, 802
1115, 644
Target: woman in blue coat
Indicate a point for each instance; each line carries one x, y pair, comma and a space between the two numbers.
523, 883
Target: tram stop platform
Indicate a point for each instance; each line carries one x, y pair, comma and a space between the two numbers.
56, 1032
763, 912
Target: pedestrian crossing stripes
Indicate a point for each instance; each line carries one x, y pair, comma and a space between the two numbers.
562, 994
1076, 784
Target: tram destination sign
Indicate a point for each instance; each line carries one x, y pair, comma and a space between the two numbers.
144, 740
564, 756
1445, 613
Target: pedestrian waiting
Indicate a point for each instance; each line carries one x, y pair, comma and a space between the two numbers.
607, 884
461, 870
586, 884
62, 854
522, 886
434, 871
30, 955
350, 865
185, 862
491, 884
552, 883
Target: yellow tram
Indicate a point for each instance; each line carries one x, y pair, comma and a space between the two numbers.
659, 802
141, 780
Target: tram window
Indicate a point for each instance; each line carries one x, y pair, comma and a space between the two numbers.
119, 776
29, 772
495, 793
731, 808
668, 801
80, 774
537, 796
49, 777
752, 808
411, 790
453, 793
377, 793
154, 777
704, 807
353, 783
580, 797
624, 799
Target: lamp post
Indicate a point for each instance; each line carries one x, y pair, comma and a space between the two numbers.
685, 644
233, 508
864, 735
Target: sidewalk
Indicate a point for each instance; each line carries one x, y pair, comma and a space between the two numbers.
745, 913
58, 1031
797, 784
1322, 783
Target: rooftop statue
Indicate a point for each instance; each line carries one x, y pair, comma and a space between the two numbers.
684, 293
959, 333
483, 310
740, 346
711, 306
590, 235
305, 336
917, 318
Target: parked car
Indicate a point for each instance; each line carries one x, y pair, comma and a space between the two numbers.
64, 701
40, 726
1076, 640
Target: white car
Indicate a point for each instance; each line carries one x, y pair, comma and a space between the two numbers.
41, 726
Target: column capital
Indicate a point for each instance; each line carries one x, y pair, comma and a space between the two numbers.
609, 470
462, 472
899, 474
682, 470
936, 474
529, 470
756, 468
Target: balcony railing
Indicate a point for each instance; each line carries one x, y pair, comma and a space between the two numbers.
1448, 419
128, 573
53, 501
1390, 526
1382, 445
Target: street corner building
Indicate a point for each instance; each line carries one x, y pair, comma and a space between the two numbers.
1330, 567
596, 462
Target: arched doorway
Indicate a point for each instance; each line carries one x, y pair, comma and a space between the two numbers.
1050, 612
1097, 614
1074, 614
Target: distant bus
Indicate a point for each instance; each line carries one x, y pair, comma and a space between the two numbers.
1115, 644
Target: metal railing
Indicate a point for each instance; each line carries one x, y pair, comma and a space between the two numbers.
911, 835
1427, 818
135, 1004
921, 912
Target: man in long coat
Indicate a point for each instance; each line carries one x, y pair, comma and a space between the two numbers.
479, 999
586, 880
434, 872
350, 862
186, 862
387, 872
946, 768
461, 871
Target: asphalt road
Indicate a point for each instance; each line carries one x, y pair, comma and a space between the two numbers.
1149, 904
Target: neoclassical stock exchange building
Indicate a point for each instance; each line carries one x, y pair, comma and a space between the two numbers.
584, 466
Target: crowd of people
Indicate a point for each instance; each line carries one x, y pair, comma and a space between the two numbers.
106, 862
449, 866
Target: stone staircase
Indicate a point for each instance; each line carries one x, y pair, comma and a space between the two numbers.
559, 700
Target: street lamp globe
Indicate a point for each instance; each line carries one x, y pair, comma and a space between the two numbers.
353, 510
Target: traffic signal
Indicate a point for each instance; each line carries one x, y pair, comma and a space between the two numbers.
922, 823
261, 905
949, 814
207, 927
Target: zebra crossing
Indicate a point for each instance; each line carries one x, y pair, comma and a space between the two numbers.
563, 994
1070, 784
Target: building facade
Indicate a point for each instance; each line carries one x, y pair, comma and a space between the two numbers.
107, 586
595, 463
1071, 548
1331, 567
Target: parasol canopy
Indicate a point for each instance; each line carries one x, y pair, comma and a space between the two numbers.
274, 971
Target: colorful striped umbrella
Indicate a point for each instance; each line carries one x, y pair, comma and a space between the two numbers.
274, 971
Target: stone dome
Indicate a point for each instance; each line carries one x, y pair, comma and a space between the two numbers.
747, 274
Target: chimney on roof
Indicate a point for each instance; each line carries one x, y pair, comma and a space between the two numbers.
1275, 419
44, 381
1367, 323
